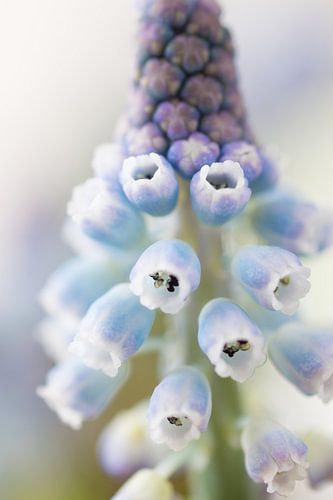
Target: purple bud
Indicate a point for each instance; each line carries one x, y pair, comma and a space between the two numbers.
173, 12
228, 41
221, 127
203, 92
221, 65
189, 155
177, 119
140, 107
211, 6
152, 38
233, 101
269, 176
246, 155
161, 78
189, 52
145, 140
205, 24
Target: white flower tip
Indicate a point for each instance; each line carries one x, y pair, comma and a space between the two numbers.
68, 416
95, 356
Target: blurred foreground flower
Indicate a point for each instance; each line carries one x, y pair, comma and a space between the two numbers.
274, 456
158, 230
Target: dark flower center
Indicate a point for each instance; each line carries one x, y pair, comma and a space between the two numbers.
177, 421
162, 278
231, 348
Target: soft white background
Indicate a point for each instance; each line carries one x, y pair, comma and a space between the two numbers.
64, 71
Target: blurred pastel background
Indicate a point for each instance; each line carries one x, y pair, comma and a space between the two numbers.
64, 73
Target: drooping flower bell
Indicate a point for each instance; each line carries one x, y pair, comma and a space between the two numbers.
125, 445
274, 277
165, 275
55, 338
146, 484
293, 223
304, 355
150, 183
77, 393
320, 458
219, 192
113, 330
274, 456
180, 408
106, 217
77, 283
232, 342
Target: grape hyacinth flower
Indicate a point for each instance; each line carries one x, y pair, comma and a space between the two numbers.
73, 287
177, 119
105, 217
125, 446
219, 192
107, 161
320, 458
204, 93
141, 106
164, 229
304, 355
269, 176
145, 140
180, 408
153, 36
113, 330
189, 52
246, 155
162, 79
292, 223
232, 342
165, 275
221, 127
274, 277
221, 65
77, 393
150, 184
55, 338
188, 155
274, 456
146, 484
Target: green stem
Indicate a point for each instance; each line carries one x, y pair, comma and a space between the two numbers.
224, 477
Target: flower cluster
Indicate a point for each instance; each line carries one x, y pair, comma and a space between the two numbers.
149, 230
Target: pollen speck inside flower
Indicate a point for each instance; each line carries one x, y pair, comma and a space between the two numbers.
177, 421
162, 278
147, 172
231, 348
284, 282
223, 181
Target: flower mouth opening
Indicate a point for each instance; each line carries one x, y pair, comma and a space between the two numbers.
284, 282
164, 279
176, 426
222, 181
145, 173
177, 421
232, 348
